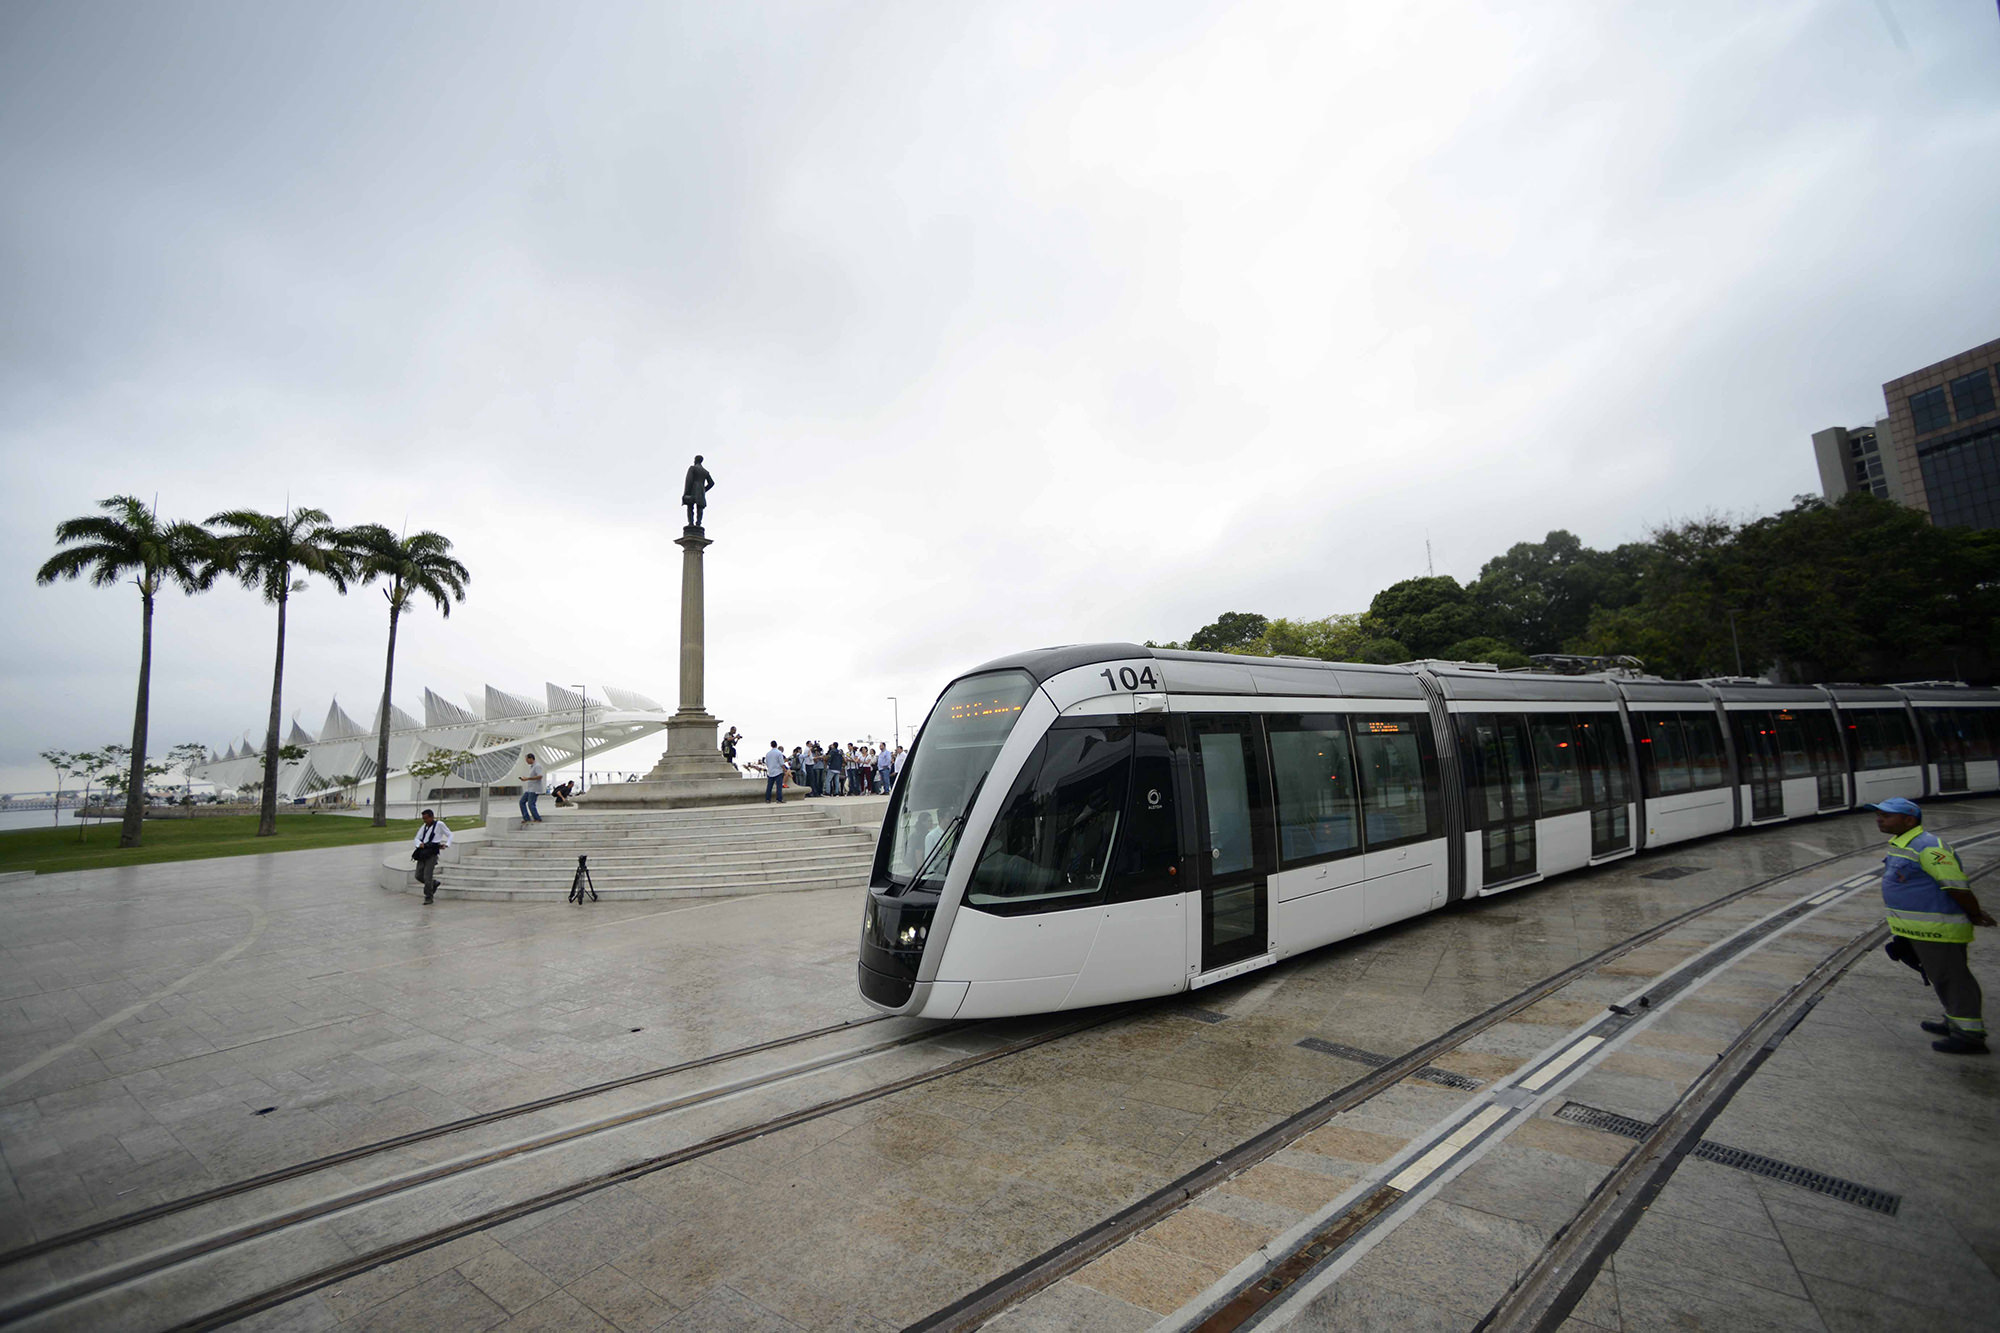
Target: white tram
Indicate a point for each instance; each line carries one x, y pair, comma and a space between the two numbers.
1104, 822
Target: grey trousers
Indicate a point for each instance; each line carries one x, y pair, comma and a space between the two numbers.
1957, 989
427, 874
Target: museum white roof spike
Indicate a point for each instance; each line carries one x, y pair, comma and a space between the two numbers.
398, 721
476, 705
500, 704
339, 726
497, 729
632, 699
562, 700
298, 735
441, 712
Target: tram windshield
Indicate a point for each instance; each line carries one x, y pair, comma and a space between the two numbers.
963, 736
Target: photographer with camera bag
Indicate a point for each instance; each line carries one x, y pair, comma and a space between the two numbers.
431, 840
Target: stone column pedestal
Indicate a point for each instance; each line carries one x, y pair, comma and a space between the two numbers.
692, 771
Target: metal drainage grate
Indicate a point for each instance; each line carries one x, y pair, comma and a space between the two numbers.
1674, 872
1444, 1078
1353, 1053
1847, 1191
1204, 1016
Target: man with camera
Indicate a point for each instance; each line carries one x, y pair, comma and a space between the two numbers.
431, 840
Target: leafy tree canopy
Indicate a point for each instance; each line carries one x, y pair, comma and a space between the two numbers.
1863, 590
1230, 632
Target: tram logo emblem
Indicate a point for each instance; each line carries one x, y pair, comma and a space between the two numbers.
1153, 798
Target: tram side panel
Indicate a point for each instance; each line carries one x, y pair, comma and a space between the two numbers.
1961, 745
1687, 789
1790, 764
1882, 747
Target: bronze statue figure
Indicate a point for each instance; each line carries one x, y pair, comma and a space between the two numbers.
694, 494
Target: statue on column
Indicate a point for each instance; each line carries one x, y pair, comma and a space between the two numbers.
694, 494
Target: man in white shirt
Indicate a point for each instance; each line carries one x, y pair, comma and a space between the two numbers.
885, 766
774, 773
432, 838
531, 790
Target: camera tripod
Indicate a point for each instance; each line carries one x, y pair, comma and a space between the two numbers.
580, 883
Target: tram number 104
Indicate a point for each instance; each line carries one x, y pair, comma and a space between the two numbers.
1129, 679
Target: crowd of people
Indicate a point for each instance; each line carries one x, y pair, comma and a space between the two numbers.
858, 768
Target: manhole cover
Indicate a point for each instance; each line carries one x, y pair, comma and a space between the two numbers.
1673, 872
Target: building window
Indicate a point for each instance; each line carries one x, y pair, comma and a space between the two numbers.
1972, 395
1930, 410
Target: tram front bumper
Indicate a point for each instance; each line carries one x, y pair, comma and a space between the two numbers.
894, 931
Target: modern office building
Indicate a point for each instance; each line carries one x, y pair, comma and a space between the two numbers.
1946, 429
1857, 459
1937, 450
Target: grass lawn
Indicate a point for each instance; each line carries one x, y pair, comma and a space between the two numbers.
51, 849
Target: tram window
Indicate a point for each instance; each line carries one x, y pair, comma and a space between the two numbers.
1318, 805
1944, 732
1557, 769
1051, 846
1822, 743
1607, 757
1792, 745
1663, 754
1398, 767
1225, 775
1147, 862
1882, 738
1704, 750
1982, 729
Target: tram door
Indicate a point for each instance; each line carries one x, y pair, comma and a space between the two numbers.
1757, 740
1499, 743
1236, 863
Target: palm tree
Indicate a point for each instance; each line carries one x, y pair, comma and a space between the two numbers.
261, 551
129, 540
414, 566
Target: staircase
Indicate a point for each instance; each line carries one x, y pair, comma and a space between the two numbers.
665, 854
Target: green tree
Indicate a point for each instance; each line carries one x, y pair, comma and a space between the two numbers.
66, 765
185, 758
1338, 638
441, 763
262, 551
1486, 650
129, 541
95, 766
1540, 596
419, 566
1427, 614
1231, 631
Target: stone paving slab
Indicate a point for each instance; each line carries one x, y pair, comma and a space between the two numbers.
349, 1011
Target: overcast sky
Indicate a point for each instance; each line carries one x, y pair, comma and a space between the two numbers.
1000, 325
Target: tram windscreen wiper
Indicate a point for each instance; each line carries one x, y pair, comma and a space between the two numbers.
949, 835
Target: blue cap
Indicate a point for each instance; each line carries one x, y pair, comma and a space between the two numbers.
1896, 805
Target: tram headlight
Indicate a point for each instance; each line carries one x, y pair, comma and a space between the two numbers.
912, 935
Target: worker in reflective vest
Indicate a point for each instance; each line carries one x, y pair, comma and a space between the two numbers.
1930, 904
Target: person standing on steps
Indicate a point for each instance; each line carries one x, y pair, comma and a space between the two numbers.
531, 791
431, 840
774, 773
1930, 905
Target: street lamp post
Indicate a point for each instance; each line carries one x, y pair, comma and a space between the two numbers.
1738, 647
582, 737
896, 737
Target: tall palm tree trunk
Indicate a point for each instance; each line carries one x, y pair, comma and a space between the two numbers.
135, 781
382, 742
267, 813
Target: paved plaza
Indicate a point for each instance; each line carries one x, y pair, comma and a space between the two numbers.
174, 1028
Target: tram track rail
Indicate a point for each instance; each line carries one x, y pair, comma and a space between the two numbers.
966, 1313
444, 1129
1552, 1286
1045, 1270
74, 1291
